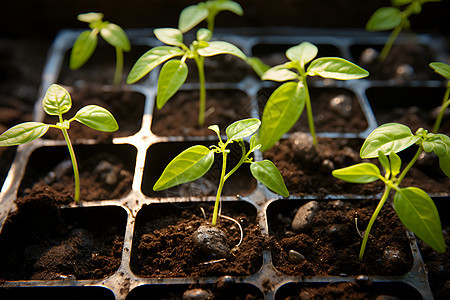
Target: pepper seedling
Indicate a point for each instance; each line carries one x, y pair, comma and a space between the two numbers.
56, 102
285, 105
194, 162
414, 207
85, 44
394, 18
174, 72
442, 69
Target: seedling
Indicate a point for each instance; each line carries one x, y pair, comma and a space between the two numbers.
414, 207
56, 102
85, 44
192, 15
285, 106
394, 18
442, 69
174, 72
194, 162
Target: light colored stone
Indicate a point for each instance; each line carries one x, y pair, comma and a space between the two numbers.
304, 216
295, 257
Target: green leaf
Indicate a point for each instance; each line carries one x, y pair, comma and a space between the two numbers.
97, 118
384, 161
336, 68
90, 17
57, 100
204, 34
267, 173
396, 163
390, 137
242, 128
359, 173
444, 163
115, 36
192, 16
172, 76
279, 73
257, 65
23, 133
416, 210
220, 47
437, 143
150, 60
281, 112
385, 18
187, 166
215, 128
442, 69
232, 6
254, 143
304, 53
82, 49
169, 36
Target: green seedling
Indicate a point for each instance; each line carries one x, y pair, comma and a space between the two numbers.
194, 162
442, 69
85, 44
174, 72
56, 102
414, 207
395, 18
285, 106
192, 15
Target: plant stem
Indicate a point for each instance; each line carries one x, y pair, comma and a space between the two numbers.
199, 60
119, 66
390, 42
445, 104
409, 166
309, 113
219, 190
372, 219
76, 174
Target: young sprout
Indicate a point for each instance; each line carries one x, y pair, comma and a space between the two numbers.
174, 72
285, 105
415, 209
57, 101
442, 69
85, 44
192, 15
195, 161
395, 19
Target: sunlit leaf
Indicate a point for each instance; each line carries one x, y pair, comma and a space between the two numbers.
57, 100
220, 47
115, 36
169, 36
417, 211
267, 173
97, 118
187, 166
336, 68
304, 53
172, 76
242, 128
384, 18
90, 17
441, 68
232, 6
257, 65
192, 16
82, 49
359, 173
23, 133
279, 73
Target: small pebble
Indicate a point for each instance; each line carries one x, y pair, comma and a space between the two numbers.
392, 255
342, 105
295, 257
301, 143
225, 282
369, 55
404, 72
197, 294
211, 240
304, 216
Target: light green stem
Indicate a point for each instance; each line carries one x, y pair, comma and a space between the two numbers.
199, 60
219, 190
390, 42
372, 220
409, 166
445, 104
76, 174
309, 113
119, 66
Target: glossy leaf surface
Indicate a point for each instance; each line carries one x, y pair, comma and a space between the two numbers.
267, 173
169, 36
442, 69
187, 166
220, 47
336, 68
82, 49
241, 129
417, 211
97, 118
280, 74
192, 16
115, 36
281, 112
23, 133
57, 100
359, 173
304, 53
172, 76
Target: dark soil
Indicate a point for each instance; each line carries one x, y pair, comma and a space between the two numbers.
163, 245
327, 117
413, 56
39, 241
126, 106
331, 244
105, 172
309, 172
179, 116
